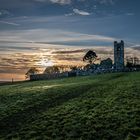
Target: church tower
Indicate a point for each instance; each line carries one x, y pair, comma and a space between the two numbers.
119, 55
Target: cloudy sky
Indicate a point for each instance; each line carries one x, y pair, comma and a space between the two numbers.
46, 32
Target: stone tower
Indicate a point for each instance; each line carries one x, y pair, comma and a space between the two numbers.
119, 55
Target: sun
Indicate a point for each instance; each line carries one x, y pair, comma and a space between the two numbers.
45, 63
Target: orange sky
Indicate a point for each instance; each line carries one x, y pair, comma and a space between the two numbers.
15, 65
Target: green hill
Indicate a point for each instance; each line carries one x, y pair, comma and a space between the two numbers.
102, 107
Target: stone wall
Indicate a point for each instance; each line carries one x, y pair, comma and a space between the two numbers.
48, 76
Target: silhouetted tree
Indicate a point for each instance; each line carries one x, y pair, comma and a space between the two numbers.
52, 69
91, 66
129, 65
107, 63
74, 68
31, 71
136, 61
90, 56
132, 62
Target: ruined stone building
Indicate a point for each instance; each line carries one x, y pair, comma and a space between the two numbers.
119, 55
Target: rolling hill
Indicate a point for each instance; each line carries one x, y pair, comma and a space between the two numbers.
101, 107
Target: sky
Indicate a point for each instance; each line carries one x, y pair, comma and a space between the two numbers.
41, 33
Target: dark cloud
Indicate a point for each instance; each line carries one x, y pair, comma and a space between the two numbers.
16, 48
60, 58
40, 7
71, 51
137, 48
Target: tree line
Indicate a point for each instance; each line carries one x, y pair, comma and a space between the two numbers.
90, 57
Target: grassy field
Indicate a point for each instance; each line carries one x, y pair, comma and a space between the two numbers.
102, 107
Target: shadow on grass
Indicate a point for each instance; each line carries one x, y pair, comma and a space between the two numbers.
16, 120
31, 111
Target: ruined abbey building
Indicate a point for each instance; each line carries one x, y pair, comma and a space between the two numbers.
105, 66
119, 55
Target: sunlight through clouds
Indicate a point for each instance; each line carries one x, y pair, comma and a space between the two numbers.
17, 63
40, 33
44, 63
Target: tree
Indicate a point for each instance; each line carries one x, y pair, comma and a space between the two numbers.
129, 62
129, 65
132, 62
136, 61
90, 56
107, 63
52, 69
74, 68
31, 71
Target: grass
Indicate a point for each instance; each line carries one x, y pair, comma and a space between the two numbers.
102, 107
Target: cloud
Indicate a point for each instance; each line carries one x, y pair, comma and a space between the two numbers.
130, 14
4, 13
40, 0
69, 14
74, 51
62, 2
70, 1
19, 63
46, 36
107, 2
137, 48
9, 23
81, 12
45, 63
17, 48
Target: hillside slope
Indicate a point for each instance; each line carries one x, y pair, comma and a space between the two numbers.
83, 108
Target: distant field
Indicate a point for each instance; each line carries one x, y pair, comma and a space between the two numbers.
102, 107
5, 81
2, 83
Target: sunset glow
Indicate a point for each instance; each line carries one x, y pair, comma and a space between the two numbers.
41, 36
69, 69
44, 63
